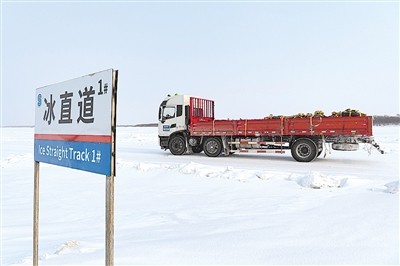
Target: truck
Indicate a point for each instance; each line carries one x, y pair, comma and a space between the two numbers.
187, 126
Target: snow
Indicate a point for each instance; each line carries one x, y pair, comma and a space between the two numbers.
192, 209
393, 187
318, 180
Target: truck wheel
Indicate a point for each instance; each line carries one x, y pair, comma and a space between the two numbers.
213, 147
197, 149
177, 145
304, 150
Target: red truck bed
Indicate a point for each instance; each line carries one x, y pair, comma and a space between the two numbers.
350, 125
206, 125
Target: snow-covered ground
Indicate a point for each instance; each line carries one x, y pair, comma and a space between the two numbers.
191, 209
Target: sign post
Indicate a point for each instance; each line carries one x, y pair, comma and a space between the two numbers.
75, 127
36, 214
109, 220
110, 183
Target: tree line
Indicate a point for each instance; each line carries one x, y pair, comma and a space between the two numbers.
383, 120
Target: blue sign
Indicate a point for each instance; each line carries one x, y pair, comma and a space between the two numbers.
88, 156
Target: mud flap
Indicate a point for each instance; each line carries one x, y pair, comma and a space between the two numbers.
325, 147
225, 145
189, 149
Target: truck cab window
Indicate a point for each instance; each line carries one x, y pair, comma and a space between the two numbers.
169, 112
179, 110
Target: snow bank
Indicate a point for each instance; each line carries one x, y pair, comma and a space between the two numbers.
66, 246
238, 175
317, 180
15, 159
393, 187
147, 167
204, 171
191, 168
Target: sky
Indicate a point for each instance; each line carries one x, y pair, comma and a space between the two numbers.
252, 58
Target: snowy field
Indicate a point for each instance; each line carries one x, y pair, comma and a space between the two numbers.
191, 209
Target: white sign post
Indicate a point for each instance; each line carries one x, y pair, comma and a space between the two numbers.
75, 127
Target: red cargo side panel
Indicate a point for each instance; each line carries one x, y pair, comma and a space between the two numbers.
260, 127
329, 126
213, 128
315, 126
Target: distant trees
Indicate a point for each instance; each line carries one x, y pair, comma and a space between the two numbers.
147, 125
383, 120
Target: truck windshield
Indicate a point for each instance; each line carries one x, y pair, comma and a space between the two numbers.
169, 112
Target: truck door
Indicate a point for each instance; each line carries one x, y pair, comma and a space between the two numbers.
168, 120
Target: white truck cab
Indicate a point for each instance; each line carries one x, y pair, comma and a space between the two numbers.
172, 115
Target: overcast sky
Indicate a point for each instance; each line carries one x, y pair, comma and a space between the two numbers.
252, 58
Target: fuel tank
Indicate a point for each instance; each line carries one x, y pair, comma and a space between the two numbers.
345, 146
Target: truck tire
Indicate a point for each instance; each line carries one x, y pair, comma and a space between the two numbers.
197, 149
212, 147
177, 145
304, 150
